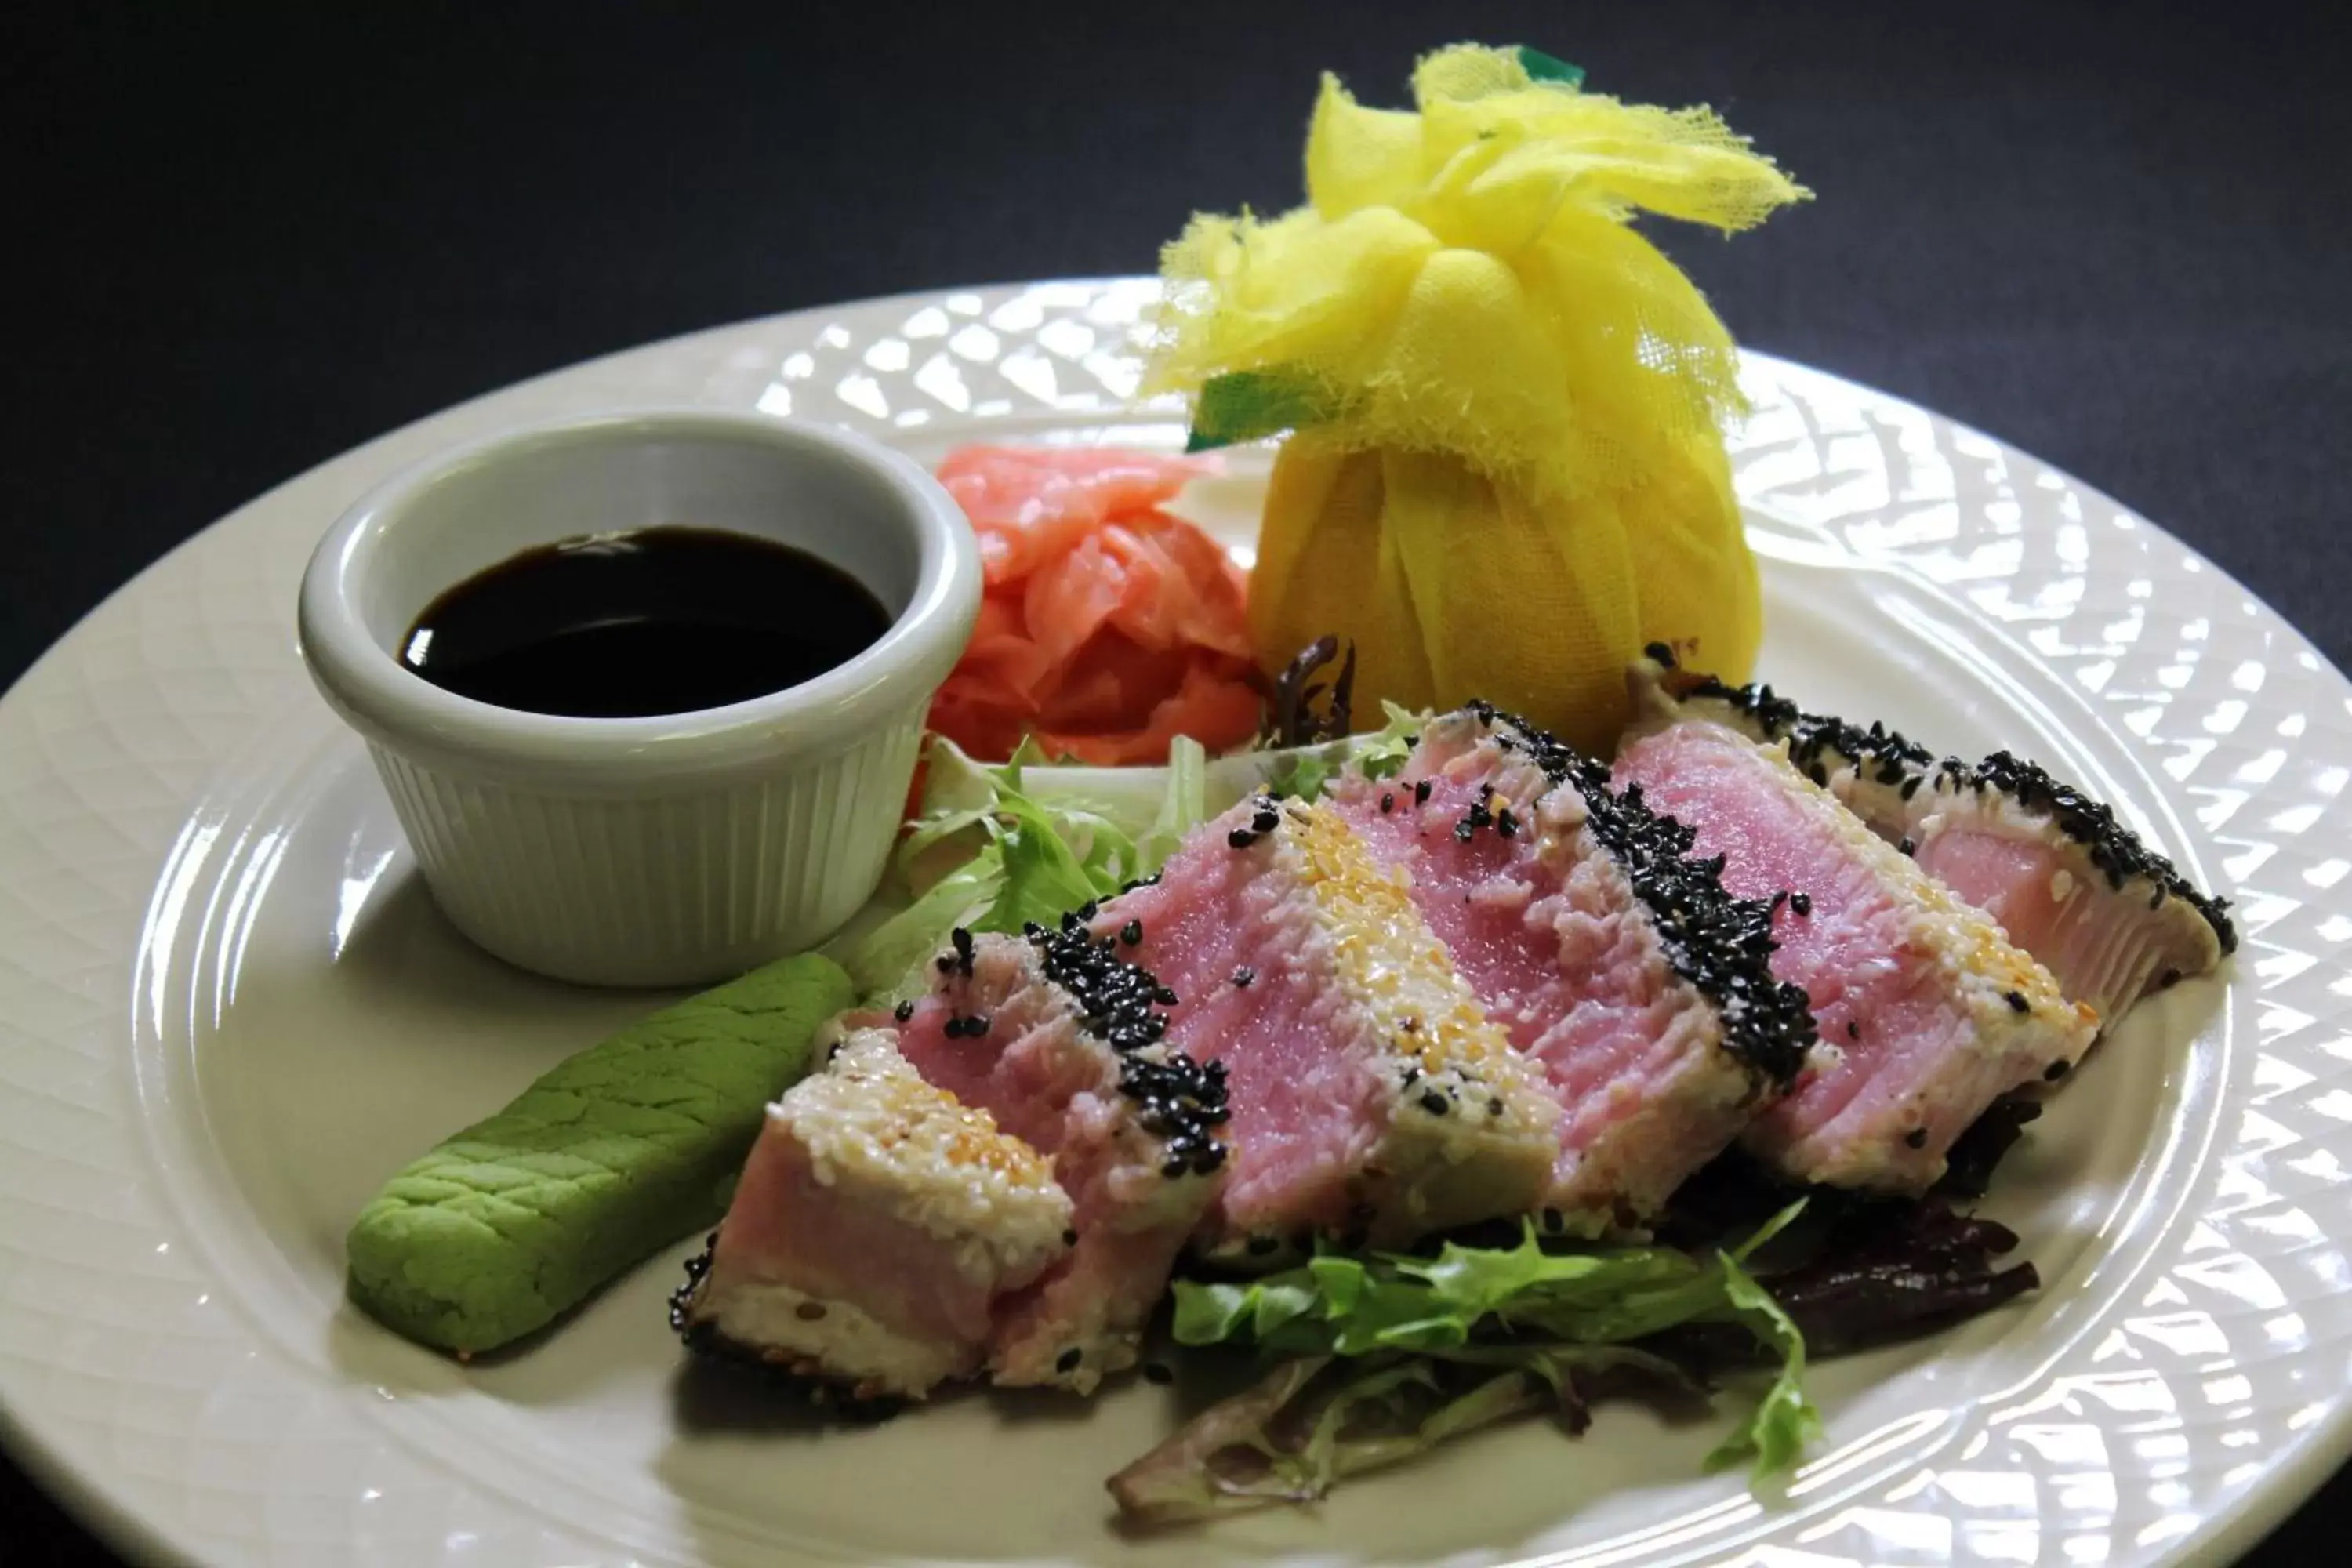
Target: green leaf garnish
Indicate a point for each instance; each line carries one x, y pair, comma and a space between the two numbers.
1302, 775
1382, 754
1776, 1432
989, 855
1347, 1304
1541, 67
1248, 404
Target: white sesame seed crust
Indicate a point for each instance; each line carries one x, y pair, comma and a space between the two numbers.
791, 1328
1497, 1132
871, 1123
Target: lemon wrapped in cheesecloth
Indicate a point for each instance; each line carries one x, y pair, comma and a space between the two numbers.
1507, 472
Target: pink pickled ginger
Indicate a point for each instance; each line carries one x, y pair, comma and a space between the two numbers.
1107, 626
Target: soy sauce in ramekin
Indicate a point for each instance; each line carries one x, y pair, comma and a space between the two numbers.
652, 621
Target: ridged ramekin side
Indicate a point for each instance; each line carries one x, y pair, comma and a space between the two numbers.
678, 887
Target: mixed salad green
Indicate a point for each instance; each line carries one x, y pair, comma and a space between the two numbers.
1379, 1357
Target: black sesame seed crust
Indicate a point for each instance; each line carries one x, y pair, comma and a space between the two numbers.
2114, 849
1889, 759
1722, 946
1183, 1101
1813, 737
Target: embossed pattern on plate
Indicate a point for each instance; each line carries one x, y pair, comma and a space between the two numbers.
2189, 1383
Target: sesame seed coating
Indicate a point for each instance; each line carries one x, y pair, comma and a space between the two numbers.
1183, 1101
1816, 740
1722, 946
1385, 955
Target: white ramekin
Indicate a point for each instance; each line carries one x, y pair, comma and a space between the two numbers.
657, 851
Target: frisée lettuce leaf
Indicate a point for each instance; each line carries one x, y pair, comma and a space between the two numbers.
988, 854
1783, 1420
1359, 1303
1306, 771
1379, 1356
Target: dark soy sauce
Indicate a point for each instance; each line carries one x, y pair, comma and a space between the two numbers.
658, 620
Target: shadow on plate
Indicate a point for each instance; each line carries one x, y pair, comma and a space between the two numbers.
715, 1394
403, 952
711, 1396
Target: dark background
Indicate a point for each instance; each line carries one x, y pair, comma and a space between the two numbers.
249, 238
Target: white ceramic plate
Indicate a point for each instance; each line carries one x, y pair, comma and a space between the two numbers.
227, 1011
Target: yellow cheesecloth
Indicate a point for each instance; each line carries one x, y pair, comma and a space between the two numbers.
1507, 474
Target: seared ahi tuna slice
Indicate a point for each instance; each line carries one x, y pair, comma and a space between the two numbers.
1059, 1036
877, 1228
2110, 917
1621, 968
1372, 1099
1927, 1013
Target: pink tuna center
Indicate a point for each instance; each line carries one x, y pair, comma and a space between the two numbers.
811, 1237
1880, 1001
1309, 1106
1562, 964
